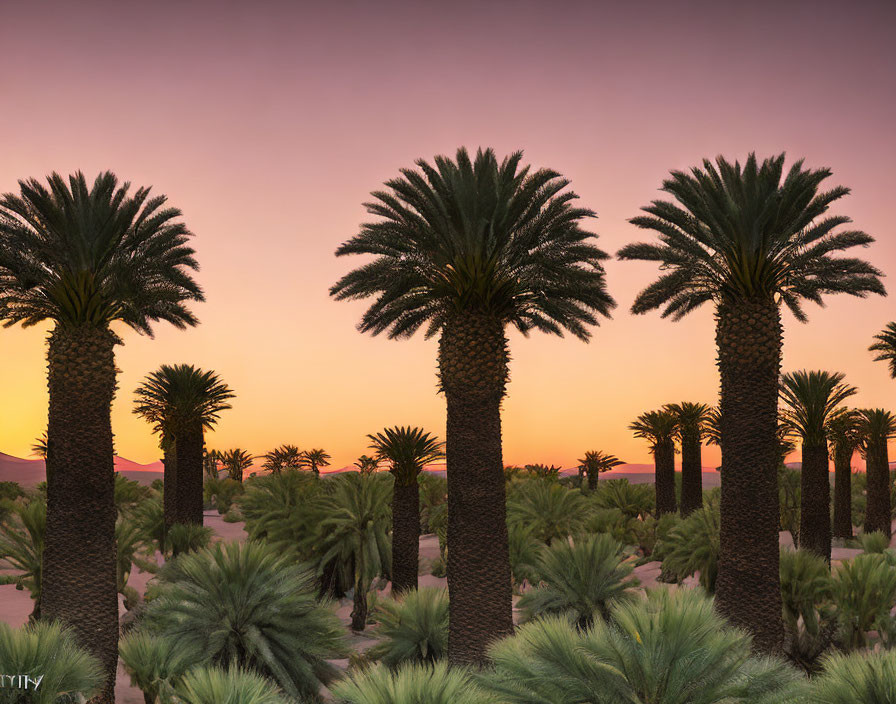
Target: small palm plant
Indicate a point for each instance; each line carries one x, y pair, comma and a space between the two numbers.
691, 427
864, 677
210, 461
87, 257
182, 402
812, 399
412, 684
845, 436
671, 648
465, 248
581, 580
412, 628
247, 606
407, 451
236, 462
634, 500
749, 238
806, 591
692, 546
877, 428
315, 459
549, 509
49, 656
155, 663
367, 465
22, 547
215, 685
594, 463
659, 428
865, 594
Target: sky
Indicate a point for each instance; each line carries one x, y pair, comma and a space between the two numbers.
268, 124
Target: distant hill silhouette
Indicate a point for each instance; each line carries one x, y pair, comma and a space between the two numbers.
29, 472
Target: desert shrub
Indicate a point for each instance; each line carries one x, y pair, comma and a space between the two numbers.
150, 517
579, 580
155, 663
670, 649
188, 537
809, 623
411, 684
634, 500
869, 678
47, 650
232, 516
433, 494
865, 594
875, 542
214, 685
129, 494
439, 568
691, 546
222, 492
412, 628
524, 549
22, 547
248, 606
550, 510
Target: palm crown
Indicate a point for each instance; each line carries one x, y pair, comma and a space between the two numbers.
477, 236
741, 232
283, 457
407, 450
655, 426
692, 418
80, 255
315, 458
597, 461
180, 395
877, 427
812, 398
886, 347
845, 429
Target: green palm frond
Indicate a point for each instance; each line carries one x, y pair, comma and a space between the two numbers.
407, 450
412, 628
84, 255
236, 461
886, 347
551, 510
479, 236
315, 459
811, 399
283, 457
734, 232
412, 684
598, 462
655, 426
693, 419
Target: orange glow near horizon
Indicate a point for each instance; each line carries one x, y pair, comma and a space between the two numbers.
270, 128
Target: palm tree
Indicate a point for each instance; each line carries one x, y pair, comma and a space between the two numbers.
407, 450
315, 459
844, 434
182, 402
39, 448
236, 461
367, 465
283, 457
693, 419
596, 462
877, 428
659, 428
210, 461
886, 347
85, 257
466, 248
811, 400
749, 238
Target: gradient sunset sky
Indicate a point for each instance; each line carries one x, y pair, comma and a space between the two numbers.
268, 124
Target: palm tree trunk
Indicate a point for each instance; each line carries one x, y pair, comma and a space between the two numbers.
473, 372
691, 474
664, 463
359, 608
748, 592
815, 501
843, 492
877, 511
78, 573
189, 476
405, 536
169, 462
593, 478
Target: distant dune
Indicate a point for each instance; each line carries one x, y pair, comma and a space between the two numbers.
31, 472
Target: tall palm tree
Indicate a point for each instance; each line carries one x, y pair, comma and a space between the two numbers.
85, 257
183, 401
210, 461
693, 419
367, 465
467, 248
236, 461
659, 428
748, 238
878, 427
594, 463
407, 450
812, 399
283, 457
315, 459
886, 347
845, 436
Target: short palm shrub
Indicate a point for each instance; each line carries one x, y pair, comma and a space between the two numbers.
875, 542
411, 684
692, 546
150, 517
248, 606
806, 591
524, 550
48, 654
865, 594
670, 649
222, 491
22, 547
551, 510
412, 628
213, 685
155, 663
188, 537
634, 500
579, 580
129, 494
869, 678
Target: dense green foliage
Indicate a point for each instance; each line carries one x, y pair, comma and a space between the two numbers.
412, 628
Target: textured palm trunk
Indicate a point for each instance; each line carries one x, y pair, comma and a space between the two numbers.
78, 573
405, 536
359, 607
877, 510
842, 527
664, 463
593, 478
691, 474
748, 593
473, 372
189, 476
815, 501
169, 462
